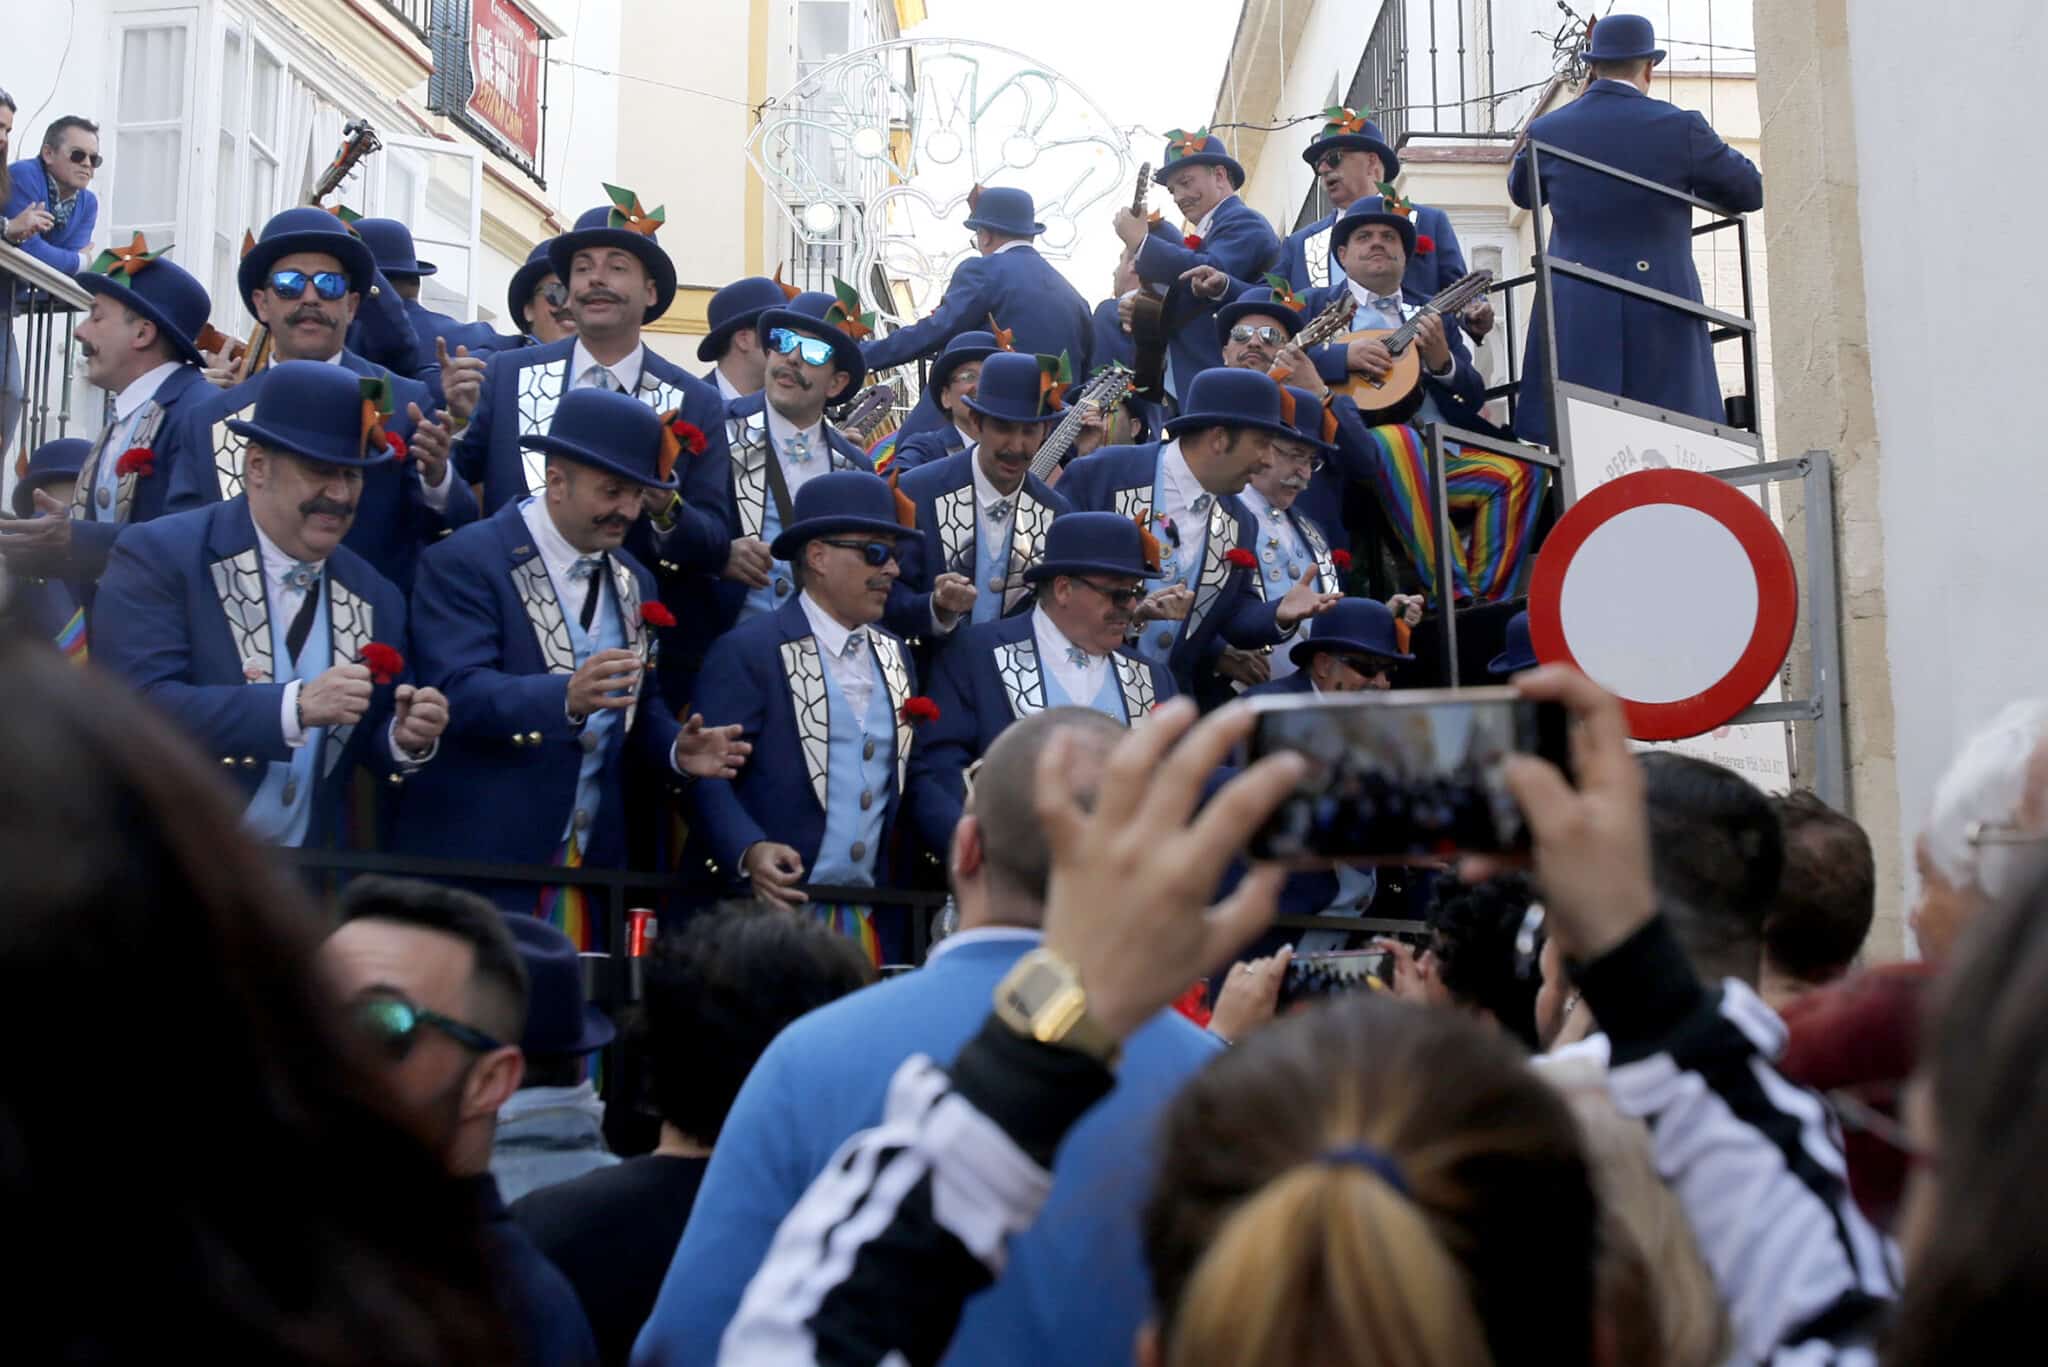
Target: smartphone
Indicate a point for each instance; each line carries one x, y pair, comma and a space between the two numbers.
1312, 976
1401, 776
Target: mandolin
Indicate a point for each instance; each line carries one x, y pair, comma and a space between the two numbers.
1395, 396
866, 412
1103, 392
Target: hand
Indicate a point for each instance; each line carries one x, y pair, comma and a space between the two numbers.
1304, 601
1430, 341
30, 221
953, 597
1407, 607
1250, 995
748, 561
1130, 227
37, 547
1126, 309
1414, 976
1478, 317
1293, 363
1146, 850
338, 697
1368, 357
1170, 604
421, 715
710, 751
1094, 431
656, 502
607, 681
1247, 667
219, 369
1206, 282
431, 439
774, 870
462, 378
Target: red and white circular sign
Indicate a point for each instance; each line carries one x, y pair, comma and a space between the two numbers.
1673, 591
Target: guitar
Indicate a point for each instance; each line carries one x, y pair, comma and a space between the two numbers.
1103, 392
1395, 396
1148, 331
1335, 317
358, 140
866, 412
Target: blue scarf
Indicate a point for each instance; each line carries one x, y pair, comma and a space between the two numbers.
60, 209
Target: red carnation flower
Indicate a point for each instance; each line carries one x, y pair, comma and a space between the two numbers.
384, 663
397, 444
1342, 560
657, 615
1424, 244
139, 461
1193, 1004
689, 436
920, 709
1241, 558
1193, 242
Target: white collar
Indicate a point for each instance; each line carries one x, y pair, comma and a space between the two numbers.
983, 935
276, 564
1209, 219
1182, 488
831, 636
726, 389
1054, 643
966, 437
335, 359
1011, 246
1629, 86
781, 429
555, 551
1259, 504
986, 493
143, 388
1366, 296
627, 371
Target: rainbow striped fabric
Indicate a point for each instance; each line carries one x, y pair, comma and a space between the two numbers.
567, 908
71, 640
1500, 496
854, 922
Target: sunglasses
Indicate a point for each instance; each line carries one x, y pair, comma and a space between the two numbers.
1330, 161
555, 293
292, 284
1265, 332
1118, 598
395, 1024
812, 350
876, 553
1366, 666
80, 157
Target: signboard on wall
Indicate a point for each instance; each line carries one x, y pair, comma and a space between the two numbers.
504, 64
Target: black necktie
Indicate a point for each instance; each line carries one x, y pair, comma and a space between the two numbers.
598, 573
302, 625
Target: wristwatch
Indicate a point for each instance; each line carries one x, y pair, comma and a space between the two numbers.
1041, 998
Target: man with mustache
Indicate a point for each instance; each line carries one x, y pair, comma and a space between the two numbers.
824, 695
739, 362
1067, 650
304, 279
254, 626
538, 625
1182, 489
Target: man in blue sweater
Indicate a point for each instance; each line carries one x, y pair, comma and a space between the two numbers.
50, 214
826, 1077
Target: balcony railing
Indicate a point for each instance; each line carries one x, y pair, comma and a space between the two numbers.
37, 309
417, 14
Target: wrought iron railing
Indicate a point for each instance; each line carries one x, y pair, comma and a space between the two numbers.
38, 307
416, 13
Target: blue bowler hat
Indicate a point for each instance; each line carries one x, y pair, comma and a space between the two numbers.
525, 281
1199, 148
390, 242
842, 501
1005, 209
1092, 543
1362, 626
1519, 654
305, 230
1358, 216
162, 291
1308, 420
313, 410
737, 306
609, 431
965, 348
1223, 397
1349, 130
48, 463
628, 228
559, 1021
1258, 301
806, 314
1624, 38
1011, 389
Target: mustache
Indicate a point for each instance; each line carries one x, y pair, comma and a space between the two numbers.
87, 349
600, 294
796, 374
308, 313
314, 507
1295, 482
613, 521
880, 583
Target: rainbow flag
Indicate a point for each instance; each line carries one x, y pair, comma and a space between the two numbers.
567, 908
71, 640
882, 452
855, 923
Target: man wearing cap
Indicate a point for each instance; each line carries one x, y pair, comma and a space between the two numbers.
451, 352
257, 629
821, 692
538, 301
138, 347
552, 1128
1068, 650
304, 279
47, 605
1183, 488
540, 629
1608, 340
1008, 280
739, 365
937, 425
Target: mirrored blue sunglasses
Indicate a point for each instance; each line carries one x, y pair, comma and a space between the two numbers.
813, 350
292, 284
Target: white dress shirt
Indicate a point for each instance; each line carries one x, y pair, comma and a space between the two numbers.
142, 389
1179, 493
1369, 308
967, 441
626, 371
437, 494
985, 496
1011, 245
853, 671
1080, 681
557, 554
119, 433
727, 390
797, 473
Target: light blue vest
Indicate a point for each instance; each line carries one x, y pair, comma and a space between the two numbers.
106, 492
1184, 565
993, 555
281, 810
860, 778
1284, 556
598, 732
1108, 699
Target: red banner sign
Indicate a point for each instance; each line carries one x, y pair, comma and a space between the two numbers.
504, 62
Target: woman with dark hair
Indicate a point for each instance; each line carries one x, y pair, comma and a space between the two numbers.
192, 1154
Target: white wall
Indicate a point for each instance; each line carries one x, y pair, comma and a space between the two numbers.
583, 107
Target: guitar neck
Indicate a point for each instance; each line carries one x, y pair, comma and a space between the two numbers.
1449, 300
1102, 393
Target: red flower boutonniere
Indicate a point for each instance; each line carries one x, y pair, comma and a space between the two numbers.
399, 450
1240, 558
139, 461
1193, 242
384, 663
919, 710
1193, 1004
678, 435
657, 615
1424, 244
1342, 560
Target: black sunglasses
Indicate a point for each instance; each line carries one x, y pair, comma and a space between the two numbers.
1118, 598
80, 157
876, 553
1367, 666
394, 1024
292, 284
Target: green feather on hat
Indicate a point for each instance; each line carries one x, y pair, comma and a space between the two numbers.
846, 315
121, 263
627, 213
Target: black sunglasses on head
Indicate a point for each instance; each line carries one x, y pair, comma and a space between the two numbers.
395, 1024
876, 553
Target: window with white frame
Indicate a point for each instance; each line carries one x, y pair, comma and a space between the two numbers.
146, 155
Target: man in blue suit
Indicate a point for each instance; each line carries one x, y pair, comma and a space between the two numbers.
1228, 234
138, 347
1007, 282
1067, 651
1184, 490
937, 425
739, 366
304, 279
1607, 340
258, 630
823, 694
451, 352
537, 625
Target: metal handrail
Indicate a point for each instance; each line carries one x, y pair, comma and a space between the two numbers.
25, 268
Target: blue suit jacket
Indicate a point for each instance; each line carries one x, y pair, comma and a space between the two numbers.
944, 494
429, 327
824, 1079
58, 249
383, 334
1227, 608
926, 417
1429, 273
489, 634
1605, 339
393, 520
1108, 341
982, 683
927, 447
1020, 289
779, 794
1241, 243
162, 624
93, 542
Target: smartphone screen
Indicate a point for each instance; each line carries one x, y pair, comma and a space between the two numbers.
1401, 776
